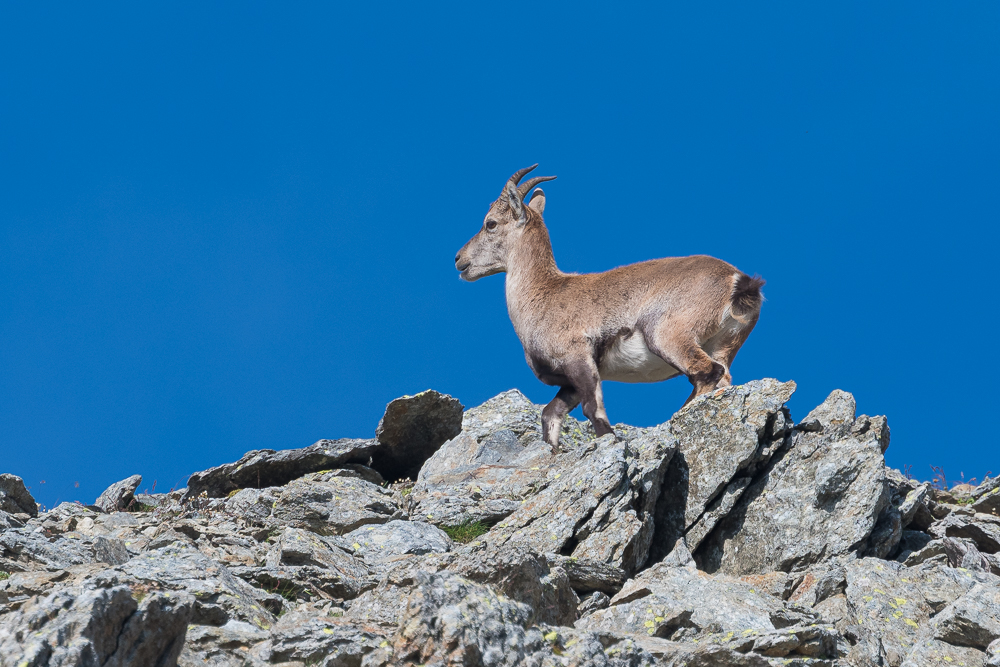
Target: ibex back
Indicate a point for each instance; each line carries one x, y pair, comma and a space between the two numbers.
643, 322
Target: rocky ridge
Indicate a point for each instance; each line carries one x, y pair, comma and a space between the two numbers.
730, 535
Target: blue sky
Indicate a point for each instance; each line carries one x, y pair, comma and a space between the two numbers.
232, 226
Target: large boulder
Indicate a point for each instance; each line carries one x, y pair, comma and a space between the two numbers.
14, 496
266, 467
823, 497
722, 440
118, 496
412, 429
94, 624
484, 472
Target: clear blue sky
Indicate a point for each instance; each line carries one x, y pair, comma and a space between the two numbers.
229, 226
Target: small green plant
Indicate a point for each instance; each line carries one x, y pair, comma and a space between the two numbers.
4, 575
466, 531
287, 590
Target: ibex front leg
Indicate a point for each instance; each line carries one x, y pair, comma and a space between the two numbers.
554, 412
586, 380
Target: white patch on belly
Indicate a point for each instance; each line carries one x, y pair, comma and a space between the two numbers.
629, 360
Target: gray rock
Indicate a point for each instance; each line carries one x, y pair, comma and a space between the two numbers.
412, 429
721, 439
329, 504
915, 500
993, 654
111, 551
598, 503
983, 529
821, 498
884, 599
89, 625
678, 602
380, 543
593, 602
14, 496
986, 497
220, 597
972, 620
483, 473
220, 646
524, 575
266, 467
586, 575
953, 551
497, 460
934, 652
312, 563
28, 549
310, 634
451, 621
116, 498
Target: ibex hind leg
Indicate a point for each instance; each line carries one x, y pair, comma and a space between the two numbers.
724, 345
684, 354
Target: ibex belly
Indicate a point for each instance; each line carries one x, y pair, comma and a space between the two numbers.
629, 360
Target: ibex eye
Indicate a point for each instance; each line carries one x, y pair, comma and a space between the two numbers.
491, 225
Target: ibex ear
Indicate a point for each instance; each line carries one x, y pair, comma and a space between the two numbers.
537, 200
516, 203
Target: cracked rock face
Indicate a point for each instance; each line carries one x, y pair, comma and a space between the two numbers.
823, 497
727, 536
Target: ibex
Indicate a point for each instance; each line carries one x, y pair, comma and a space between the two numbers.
643, 322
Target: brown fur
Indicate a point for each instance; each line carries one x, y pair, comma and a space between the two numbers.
643, 322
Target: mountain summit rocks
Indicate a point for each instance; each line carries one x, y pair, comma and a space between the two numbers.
728, 536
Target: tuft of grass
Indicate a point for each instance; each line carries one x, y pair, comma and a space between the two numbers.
233, 493
466, 531
4, 575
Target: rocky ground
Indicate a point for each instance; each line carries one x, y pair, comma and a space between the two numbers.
729, 536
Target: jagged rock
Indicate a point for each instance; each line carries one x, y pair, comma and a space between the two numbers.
437, 630
986, 497
312, 635
678, 602
971, 620
523, 574
26, 549
412, 429
267, 467
88, 625
593, 602
497, 460
598, 503
993, 654
885, 598
586, 575
300, 561
220, 646
933, 652
220, 597
721, 439
378, 544
953, 551
14, 496
326, 503
117, 497
983, 529
822, 497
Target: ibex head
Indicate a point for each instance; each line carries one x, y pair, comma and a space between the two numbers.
486, 253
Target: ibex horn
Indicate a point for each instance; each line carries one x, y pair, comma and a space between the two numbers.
519, 174
525, 187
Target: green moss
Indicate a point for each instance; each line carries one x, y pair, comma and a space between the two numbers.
466, 531
4, 575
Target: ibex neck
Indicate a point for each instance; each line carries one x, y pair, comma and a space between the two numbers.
531, 269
